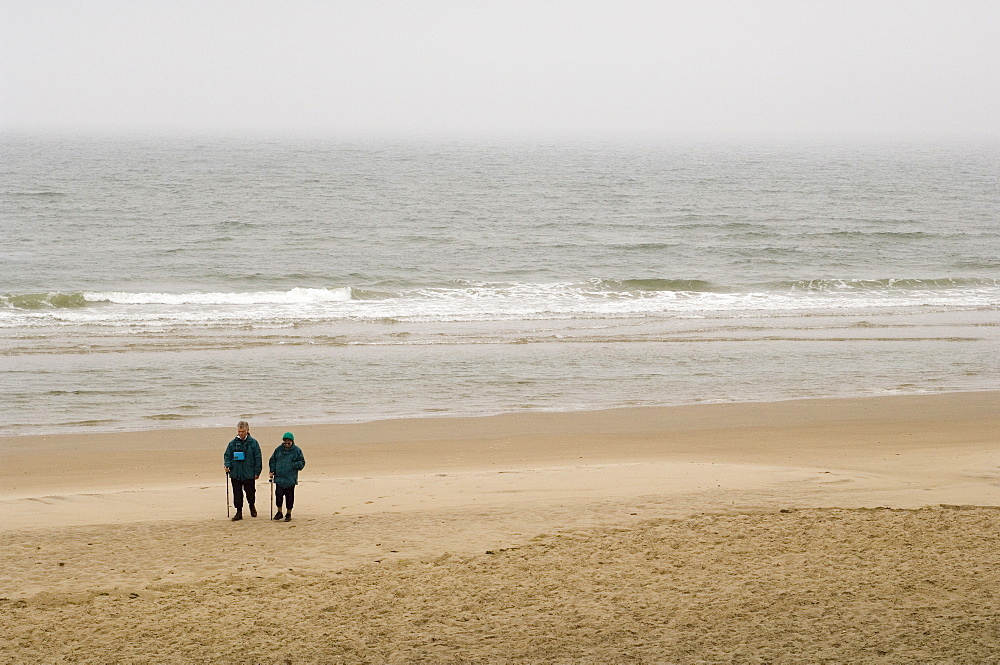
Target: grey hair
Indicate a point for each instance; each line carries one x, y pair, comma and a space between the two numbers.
242, 424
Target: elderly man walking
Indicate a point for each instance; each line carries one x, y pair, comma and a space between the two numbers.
243, 464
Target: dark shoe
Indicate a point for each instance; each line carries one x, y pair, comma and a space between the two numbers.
238, 516
277, 516
288, 517
253, 511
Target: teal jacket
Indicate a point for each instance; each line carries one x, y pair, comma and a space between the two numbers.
286, 464
250, 466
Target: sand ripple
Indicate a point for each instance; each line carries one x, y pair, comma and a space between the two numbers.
813, 585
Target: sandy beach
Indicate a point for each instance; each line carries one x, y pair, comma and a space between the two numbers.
849, 530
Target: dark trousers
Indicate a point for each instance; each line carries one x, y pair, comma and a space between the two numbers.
287, 493
241, 486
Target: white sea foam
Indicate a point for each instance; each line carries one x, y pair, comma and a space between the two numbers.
293, 296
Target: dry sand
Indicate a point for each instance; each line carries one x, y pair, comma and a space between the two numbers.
856, 530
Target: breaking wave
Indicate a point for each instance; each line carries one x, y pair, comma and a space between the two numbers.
33, 301
892, 284
463, 300
79, 299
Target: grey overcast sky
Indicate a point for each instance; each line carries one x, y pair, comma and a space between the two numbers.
533, 67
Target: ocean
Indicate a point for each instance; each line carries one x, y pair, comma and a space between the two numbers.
167, 282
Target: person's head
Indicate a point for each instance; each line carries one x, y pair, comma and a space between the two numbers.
288, 440
242, 429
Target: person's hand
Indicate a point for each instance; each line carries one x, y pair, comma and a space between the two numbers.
227, 469
256, 477
271, 475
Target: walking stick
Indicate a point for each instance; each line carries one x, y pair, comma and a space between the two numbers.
227, 494
271, 481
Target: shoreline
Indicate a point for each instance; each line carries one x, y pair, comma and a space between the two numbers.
179, 426
518, 414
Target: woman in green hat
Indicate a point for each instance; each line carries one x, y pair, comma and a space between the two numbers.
286, 462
